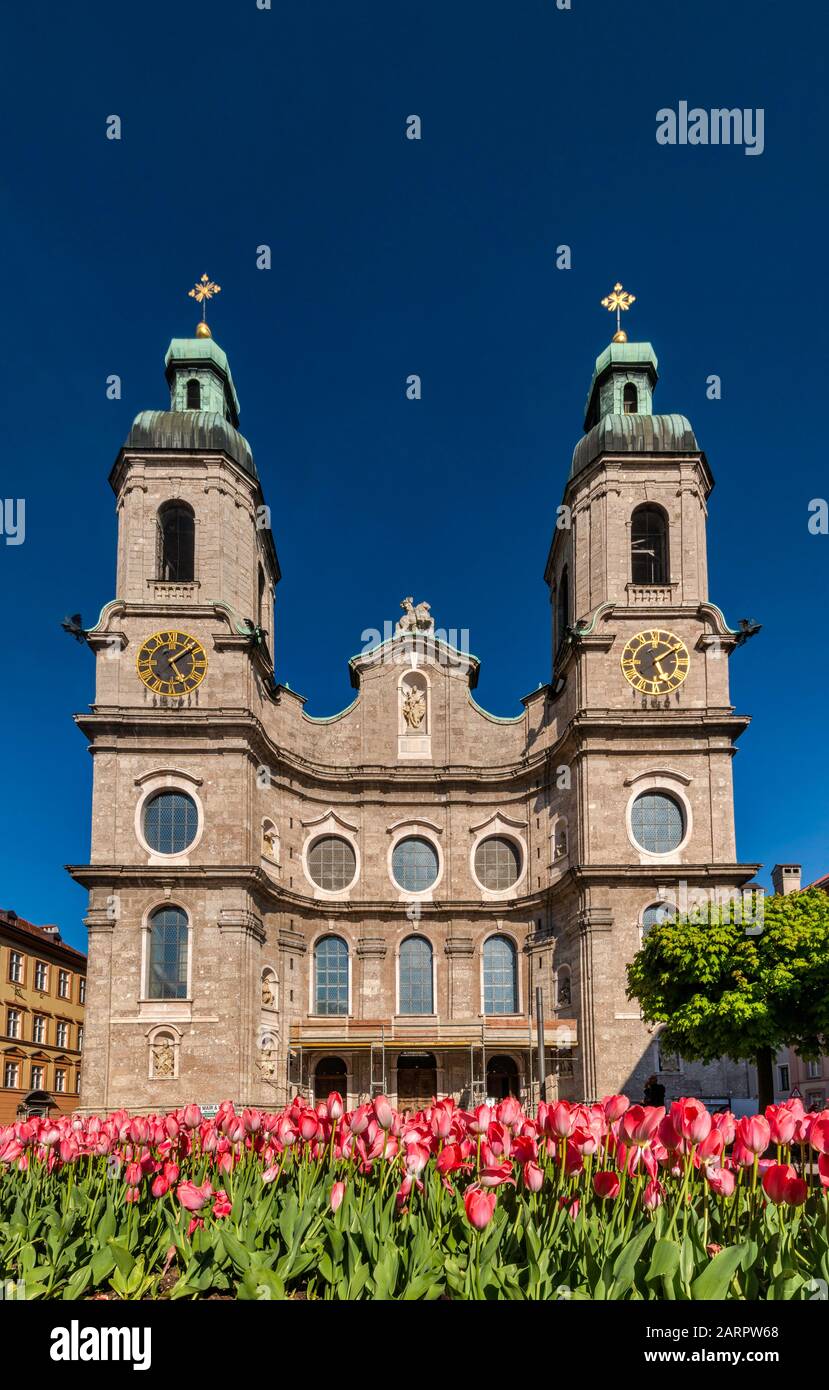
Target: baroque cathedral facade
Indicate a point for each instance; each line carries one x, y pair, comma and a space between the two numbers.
372, 901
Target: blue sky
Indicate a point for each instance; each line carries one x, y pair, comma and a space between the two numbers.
287, 127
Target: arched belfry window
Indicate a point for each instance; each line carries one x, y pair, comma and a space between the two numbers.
193, 395
562, 606
176, 542
630, 399
649, 546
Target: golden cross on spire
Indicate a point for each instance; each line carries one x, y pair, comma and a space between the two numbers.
618, 300
203, 290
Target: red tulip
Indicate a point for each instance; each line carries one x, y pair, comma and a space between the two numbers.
337, 1194
781, 1184
725, 1123
823, 1169
711, 1146
192, 1116
160, 1186
606, 1185
694, 1121
481, 1120
508, 1111
450, 1159
640, 1123
819, 1133
133, 1194
222, 1205
383, 1112
308, 1126
480, 1207
560, 1120
533, 1177
193, 1198
782, 1123
496, 1174
615, 1107
754, 1133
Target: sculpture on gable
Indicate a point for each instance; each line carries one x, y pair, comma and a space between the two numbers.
416, 618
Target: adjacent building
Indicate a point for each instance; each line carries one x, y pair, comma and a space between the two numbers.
42, 1006
376, 899
794, 1075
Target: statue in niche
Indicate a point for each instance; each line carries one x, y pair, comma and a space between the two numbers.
564, 989
164, 1058
414, 707
416, 618
270, 842
268, 995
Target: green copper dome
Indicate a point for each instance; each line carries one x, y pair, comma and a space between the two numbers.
635, 434
197, 430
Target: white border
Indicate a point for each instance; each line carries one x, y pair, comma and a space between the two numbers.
508, 936
312, 973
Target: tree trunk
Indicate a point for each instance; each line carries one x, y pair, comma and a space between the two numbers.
765, 1076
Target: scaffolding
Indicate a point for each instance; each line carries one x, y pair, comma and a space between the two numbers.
377, 1065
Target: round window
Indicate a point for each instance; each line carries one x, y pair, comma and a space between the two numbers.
657, 822
170, 822
414, 863
656, 914
497, 863
332, 863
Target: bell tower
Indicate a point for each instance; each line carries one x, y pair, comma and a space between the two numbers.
640, 690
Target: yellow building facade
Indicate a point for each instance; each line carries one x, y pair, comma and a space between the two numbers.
42, 998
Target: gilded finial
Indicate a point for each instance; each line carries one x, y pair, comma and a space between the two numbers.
203, 290
618, 300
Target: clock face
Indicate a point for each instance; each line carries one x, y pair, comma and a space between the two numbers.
655, 662
171, 663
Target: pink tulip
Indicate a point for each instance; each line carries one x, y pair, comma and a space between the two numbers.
640, 1123
160, 1186
653, 1195
711, 1147
481, 1120
533, 1177
781, 1184
383, 1111
222, 1205
725, 1123
252, 1121
819, 1133
415, 1158
496, 1174
334, 1106
606, 1185
308, 1126
441, 1123
823, 1169
721, 1181
192, 1116
508, 1111
132, 1194
270, 1173
694, 1121
133, 1174
480, 1207
337, 1194
754, 1133
193, 1198
615, 1107
782, 1123
560, 1120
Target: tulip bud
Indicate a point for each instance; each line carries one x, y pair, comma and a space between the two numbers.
337, 1194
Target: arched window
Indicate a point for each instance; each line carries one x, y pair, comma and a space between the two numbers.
416, 996
330, 1074
630, 399
500, 976
501, 1078
562, 606
657, 821
649, 546
167, 975
170, 822
193, 395
657, 912
176, 543
414, 863
331, 976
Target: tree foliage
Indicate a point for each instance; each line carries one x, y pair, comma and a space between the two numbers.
721, 991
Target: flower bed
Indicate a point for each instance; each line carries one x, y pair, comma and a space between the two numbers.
606, 1201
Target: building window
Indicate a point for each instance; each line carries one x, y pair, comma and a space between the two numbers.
500, 976
37, 1077
668, 1063
657, 822
15, 967
80, 1037
170, 822
78, 1082
41, 976
814, 1070
193, 394
783, 1079
563, 992
13, 1023
176, 543
82, 989
414, 864
630, 399
415, 967
64, 989
655, 914
39, 1029
11, 1072
562, 607
331, 976
497, 863
168, 954
60, 1080
62, 1039
649, 546
332, 863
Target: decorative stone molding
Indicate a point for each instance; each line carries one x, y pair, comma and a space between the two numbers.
460, 946
595, 919
233, 920
372, 947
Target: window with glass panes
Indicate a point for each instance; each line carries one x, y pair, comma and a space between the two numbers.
13, 1023
38, 1028
37, 1078
82, 990
497, 863
168, 954
170, 822
332, 863
657, 822
60, 1080
657, 912
15, 967
500, 976
331, 976
414, 864
80, 1038
63, 984
63, 1035
11, 1072
415, 968
41, 975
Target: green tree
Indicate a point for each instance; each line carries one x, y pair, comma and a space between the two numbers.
721, 987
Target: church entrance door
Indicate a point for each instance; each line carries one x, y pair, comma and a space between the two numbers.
417, 1080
